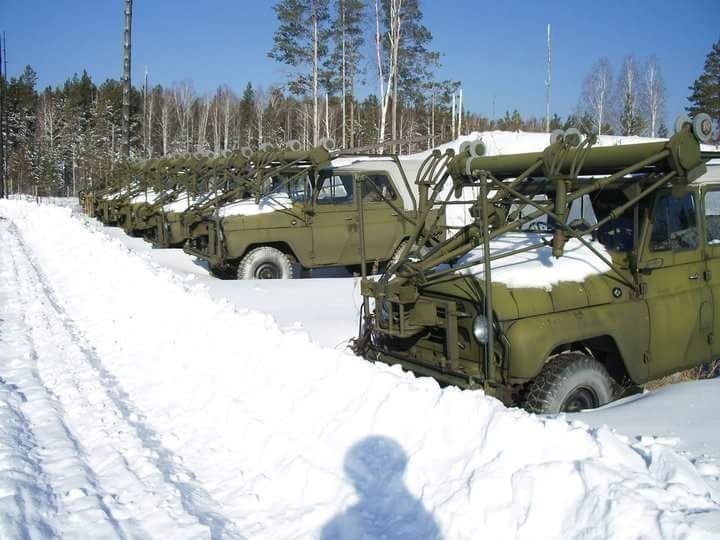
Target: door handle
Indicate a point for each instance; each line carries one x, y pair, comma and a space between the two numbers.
348, 219
694, 275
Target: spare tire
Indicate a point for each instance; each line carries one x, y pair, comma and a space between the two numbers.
265, 263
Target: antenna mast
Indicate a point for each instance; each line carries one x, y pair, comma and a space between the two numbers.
548, 80
126, 80
3, 74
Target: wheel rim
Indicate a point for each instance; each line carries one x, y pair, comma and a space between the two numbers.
267, 271
579, 399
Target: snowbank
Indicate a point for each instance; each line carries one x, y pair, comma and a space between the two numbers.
266, 433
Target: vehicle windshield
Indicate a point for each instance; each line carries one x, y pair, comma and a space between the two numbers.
294, 188
582, 216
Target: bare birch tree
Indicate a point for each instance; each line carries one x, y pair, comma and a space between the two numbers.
203, 118
596, 92
653, 96
182, 99
630, 120
166, 109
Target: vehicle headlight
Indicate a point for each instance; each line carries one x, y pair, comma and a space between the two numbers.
480, 329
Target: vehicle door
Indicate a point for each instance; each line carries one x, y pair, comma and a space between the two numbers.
711, 212
673, 279
334, 223
383, 223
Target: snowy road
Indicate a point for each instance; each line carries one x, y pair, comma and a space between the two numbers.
93, 461
137, 401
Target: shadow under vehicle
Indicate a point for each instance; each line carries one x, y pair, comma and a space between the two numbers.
643, 302
309, 212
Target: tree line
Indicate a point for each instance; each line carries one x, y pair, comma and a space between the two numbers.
61, 139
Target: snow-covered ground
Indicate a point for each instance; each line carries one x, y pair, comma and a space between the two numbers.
140, 397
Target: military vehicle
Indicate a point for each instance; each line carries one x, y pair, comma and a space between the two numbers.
100, 202
186, 180
311, 216
160, 182
495, 306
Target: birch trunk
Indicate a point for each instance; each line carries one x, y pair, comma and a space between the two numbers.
343, 74
316, 123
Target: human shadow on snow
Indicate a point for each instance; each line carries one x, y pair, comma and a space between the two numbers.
386, 509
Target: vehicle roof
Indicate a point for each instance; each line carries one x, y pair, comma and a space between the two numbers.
410, 166
712, 175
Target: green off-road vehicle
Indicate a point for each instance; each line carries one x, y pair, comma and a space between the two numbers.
563, 315
312, 216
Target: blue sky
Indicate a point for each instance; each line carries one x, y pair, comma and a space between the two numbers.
495, 48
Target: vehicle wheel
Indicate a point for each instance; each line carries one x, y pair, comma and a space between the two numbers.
569, 382
265, 263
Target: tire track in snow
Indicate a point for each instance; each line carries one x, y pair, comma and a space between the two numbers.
193, 498
70, 489
27, 501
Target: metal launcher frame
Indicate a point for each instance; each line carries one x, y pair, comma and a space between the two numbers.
568, 169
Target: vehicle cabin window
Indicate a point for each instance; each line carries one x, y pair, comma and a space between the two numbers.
674, 223
712, 217
335, 189
376, 188
294, 187
616, 234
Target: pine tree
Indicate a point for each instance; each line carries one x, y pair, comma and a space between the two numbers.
345, 60
22, 156
301, 42
247, 115
404, 56
705, 95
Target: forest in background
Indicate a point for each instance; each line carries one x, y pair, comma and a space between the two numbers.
59, 139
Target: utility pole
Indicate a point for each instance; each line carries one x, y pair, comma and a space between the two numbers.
126, 80
460, 113
548, 80
8, 183
3, 192
146, 128
454, 119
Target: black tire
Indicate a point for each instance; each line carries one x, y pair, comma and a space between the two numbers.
569, 382
265, 263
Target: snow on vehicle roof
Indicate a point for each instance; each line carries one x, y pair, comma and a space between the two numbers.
410, 165
248, 207
538, 268
713, 172
180, 204
521, 142
145, 196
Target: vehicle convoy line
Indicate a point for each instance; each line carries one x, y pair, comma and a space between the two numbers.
106, 469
